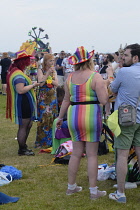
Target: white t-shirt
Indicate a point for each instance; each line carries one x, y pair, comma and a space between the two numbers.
96, 67
115, 65
67, 66
100, 58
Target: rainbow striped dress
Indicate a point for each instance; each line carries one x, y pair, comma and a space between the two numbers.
84, 121
14, 100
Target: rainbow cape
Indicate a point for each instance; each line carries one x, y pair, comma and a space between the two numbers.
13, 109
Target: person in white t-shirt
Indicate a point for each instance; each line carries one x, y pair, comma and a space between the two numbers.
101, 58
115, 63
96, 66
67, 67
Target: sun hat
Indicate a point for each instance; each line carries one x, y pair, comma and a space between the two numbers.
22, 54
7, 199
81, 55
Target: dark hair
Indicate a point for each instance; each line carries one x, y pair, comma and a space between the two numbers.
117, 53
110, 57
37, 57
135, 49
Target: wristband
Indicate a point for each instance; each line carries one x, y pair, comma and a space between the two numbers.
111, 77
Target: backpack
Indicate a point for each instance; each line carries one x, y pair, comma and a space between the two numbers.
63, 153
63, 159
133, 174
103, 147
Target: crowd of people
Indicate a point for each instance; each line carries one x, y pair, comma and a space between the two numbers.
91, 83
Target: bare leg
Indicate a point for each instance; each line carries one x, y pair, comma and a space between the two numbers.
78, 148
121, 168
137, 150
4, 86
107, 108
91, 151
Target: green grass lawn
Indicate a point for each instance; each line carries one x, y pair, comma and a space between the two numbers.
44, 187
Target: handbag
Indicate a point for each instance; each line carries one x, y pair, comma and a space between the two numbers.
103, 148
63, 159
64, 149
127, 114
63, 153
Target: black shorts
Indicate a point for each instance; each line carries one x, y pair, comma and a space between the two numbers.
25, 107
3, 78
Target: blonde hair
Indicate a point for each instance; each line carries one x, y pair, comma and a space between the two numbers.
87, 64
46, 57
5, 55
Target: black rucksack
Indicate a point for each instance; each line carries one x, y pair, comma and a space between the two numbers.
103, 147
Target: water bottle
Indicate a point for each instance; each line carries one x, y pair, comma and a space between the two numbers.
33, 78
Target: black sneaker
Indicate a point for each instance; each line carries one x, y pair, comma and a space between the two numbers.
26, 148
25, 152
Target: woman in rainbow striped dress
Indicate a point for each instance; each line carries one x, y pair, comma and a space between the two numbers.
21, 100
85, 90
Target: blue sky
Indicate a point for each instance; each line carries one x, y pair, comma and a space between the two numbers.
99, 24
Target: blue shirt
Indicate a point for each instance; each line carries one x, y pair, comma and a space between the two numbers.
59, 71
127, 87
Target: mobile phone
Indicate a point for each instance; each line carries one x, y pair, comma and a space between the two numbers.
41, 81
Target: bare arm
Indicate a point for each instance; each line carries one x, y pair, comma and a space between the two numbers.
100, 88
59, 67
110, 76
55, 80
21, 89
43, 77
64, 107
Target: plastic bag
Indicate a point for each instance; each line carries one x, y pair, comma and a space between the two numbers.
64, 148
104, 172
5, 178
63, 153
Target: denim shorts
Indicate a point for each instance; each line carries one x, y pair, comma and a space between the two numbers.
130, 135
